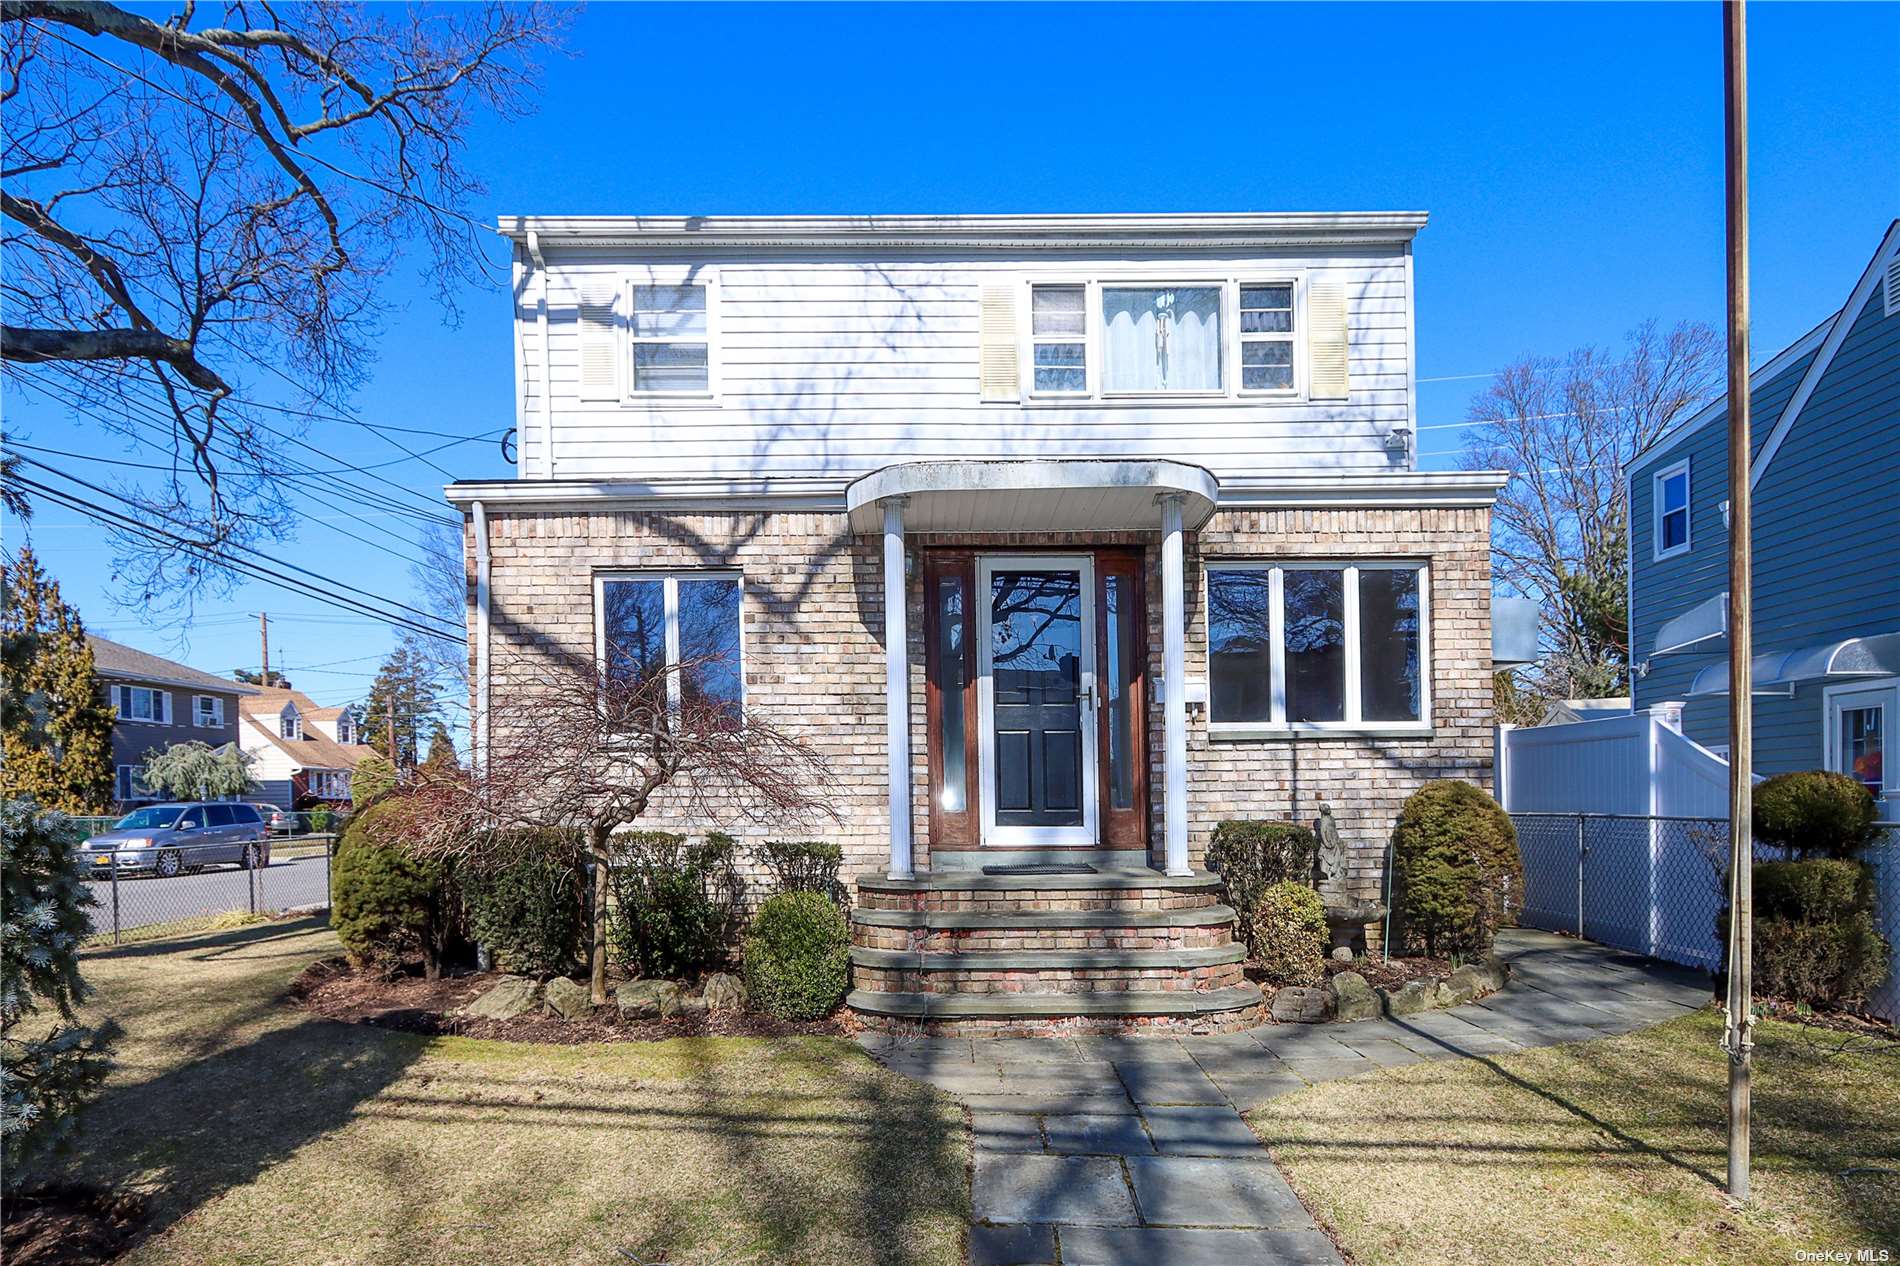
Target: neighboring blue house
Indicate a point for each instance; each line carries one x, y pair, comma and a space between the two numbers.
1826, 480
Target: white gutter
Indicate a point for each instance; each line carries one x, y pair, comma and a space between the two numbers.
480, 513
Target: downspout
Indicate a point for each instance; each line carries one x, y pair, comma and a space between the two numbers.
480, 514
541, 338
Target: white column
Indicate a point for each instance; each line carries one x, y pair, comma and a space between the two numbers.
897, 687
1174, 687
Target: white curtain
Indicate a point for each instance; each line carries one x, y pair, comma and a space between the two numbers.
1162, 338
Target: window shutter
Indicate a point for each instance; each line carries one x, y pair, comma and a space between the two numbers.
600, 341
1327, 348
1000, 376
165, 706
122, 700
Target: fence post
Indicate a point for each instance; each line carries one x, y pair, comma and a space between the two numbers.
1582, 848
250, 873
115, 899
329, 851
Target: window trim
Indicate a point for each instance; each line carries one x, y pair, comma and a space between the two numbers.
122, 702
1095, 349
670, 578
295, 718
1277, 726
1889, 689
197, 713
1657, 513
707, 279
126, 778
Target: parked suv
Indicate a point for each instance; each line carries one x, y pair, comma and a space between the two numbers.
169, 839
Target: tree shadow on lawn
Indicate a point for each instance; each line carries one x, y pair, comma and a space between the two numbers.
214, 1123
210, 945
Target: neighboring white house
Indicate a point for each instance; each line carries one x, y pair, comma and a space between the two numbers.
304, 755
1148, 485
1567, 711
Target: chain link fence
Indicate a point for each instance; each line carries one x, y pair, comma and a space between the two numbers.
186, 888
1656, 885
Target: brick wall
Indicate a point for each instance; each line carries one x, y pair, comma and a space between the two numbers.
813, 633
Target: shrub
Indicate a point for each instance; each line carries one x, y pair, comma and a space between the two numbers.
532, 915
676, 905
1290, 930
1251, 855
1814, 813
54, 1069
322, 820
386, 905
805, 866
798, 955
372, 777
1456, 873
1815, 939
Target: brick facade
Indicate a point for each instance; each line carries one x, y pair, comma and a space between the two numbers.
813, 628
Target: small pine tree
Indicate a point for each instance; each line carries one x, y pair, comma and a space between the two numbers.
372, 777
58, 750
441, 751
404, 690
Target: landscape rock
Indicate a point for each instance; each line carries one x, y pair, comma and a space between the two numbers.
1470, 981
1342, 953
647, 999
510, 998
1354, 998
1410, 999
1300, 1004
725, 992
692, 1004
569, 999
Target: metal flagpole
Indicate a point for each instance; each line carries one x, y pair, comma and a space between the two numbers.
1738, 1028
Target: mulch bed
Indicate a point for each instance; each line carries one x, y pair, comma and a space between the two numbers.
1847, 1023
408, 1003
69, 1226
1381, 973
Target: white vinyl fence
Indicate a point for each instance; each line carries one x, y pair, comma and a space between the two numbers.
1623, 826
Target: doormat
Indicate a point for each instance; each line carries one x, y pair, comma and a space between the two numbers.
1075, 868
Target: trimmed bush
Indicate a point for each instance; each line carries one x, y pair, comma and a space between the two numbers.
1456, 874
798, 956
1815, 939
532, 916
1815, 813
386, 905
676, 905
1290, 931
805, 866
1251, 855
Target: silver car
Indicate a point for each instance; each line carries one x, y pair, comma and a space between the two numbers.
169, 839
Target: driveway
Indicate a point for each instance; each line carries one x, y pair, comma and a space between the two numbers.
1132, 1151
145, 900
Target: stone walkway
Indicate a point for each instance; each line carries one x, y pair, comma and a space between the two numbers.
1132, 1151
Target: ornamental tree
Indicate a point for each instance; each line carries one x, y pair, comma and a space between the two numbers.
58, 747
195, 770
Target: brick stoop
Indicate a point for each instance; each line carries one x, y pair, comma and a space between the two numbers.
1125, 949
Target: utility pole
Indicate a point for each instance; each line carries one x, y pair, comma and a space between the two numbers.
389, 707
263, 636
1738, 1036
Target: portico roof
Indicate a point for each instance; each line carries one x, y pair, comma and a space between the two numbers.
1032, 496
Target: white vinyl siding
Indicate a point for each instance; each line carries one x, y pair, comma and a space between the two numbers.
143, 703
835, 366
207, 712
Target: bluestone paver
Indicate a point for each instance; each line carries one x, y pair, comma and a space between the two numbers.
1071, 1190
1172, 1246
1200, 1130
1200, 1191
1096, 1135
1006, 1132
1013, 1244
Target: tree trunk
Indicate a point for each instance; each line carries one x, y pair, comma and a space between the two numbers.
597, 956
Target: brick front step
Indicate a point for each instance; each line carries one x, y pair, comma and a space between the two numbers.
1047, 959
1184, 1004
1040, 920
1036, 940
1047, 971
1147, 891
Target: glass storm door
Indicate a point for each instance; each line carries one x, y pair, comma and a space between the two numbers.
1036, 692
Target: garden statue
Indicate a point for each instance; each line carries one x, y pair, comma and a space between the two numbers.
1346, 918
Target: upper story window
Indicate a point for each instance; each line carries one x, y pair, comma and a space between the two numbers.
289, 724
208, 712
685, 625
142, 703
1058, 334
345, 730
1266, 338
1161, 339
671, 344
1317, 646
1669, 493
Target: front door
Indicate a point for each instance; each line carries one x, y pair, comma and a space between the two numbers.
1036, 684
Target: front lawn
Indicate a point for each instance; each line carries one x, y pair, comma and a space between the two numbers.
265, 1134
1610, 1151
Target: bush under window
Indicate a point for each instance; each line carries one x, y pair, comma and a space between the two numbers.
805, 866
798, 956
677, 905
532, 916
1289, 932
1815, 813
1456, 874
1251, 855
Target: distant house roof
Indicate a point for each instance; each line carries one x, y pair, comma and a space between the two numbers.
1566, 711
115, 660
315, 750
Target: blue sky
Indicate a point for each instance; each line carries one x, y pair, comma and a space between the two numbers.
1570, 156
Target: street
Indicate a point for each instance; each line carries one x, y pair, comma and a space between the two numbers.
145, 899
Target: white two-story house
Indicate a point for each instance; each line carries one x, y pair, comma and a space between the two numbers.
1147, 486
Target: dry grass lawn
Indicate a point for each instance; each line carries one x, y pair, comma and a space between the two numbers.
1604, 1152
267, 1135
